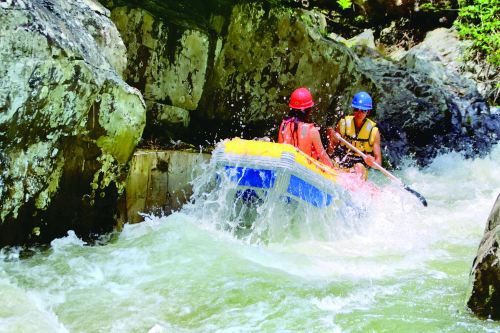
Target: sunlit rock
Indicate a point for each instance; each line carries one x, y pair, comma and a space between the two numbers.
451, 52
168, 65
159, 182
68, 122
365, 39
483, 296
439, 58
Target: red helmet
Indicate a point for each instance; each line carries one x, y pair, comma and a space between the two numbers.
301, 99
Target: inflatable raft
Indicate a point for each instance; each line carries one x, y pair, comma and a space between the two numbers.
259, 169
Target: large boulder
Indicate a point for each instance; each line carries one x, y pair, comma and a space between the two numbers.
168, 65
483, 296
68, 122
171, 49
165, 70
451, 51
425, 105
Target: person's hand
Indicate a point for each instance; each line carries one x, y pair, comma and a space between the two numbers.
332, 140
330, 133
370, 160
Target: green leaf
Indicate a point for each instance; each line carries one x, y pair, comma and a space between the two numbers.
344, 4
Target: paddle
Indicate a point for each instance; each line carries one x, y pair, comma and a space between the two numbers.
384, 171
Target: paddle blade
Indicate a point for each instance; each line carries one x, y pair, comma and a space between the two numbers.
418, 195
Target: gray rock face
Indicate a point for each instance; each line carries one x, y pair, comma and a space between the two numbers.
68, 122
168, 65
425, 105
235, 77
451, 51
365, 39
483, 296
202, 86
267, 54
164, 71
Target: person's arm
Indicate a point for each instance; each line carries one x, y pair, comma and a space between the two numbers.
318, 147
332, 139
377, 153
280, 135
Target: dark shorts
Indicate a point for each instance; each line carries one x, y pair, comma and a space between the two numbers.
345, 158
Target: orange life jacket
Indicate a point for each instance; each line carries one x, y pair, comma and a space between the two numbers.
297, 133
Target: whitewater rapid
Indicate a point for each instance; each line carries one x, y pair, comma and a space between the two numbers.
394, 267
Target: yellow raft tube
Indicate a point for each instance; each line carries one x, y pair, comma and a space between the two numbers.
263, 167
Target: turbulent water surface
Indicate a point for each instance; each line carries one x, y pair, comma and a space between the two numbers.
390, 266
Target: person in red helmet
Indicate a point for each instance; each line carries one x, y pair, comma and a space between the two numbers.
361, 132
297, 130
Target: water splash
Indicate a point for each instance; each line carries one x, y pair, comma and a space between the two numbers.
258, 216
399, 266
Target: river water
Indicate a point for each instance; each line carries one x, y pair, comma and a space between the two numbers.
393, 267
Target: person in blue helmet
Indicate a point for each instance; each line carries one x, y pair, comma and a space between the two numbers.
361, 132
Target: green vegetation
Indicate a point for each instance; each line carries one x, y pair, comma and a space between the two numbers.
361, 19
344, 4
438, 6
306, 18
479, 20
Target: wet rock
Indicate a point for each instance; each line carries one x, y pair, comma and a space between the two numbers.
235, 77
248, 60
425, 106
170, 115
440, 58
159, 182
68, 122
168, 64
443, 45
483, 296
266, 54
452, 51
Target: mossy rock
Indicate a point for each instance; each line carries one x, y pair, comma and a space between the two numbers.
69, 123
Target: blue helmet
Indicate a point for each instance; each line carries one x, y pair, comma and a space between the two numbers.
362, 101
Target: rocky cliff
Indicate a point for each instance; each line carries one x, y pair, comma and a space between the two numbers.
68, 122
231, 73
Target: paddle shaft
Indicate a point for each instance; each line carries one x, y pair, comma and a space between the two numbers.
383, 170
353, 148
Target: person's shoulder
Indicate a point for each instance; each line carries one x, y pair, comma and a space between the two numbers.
314, 129
312, 126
